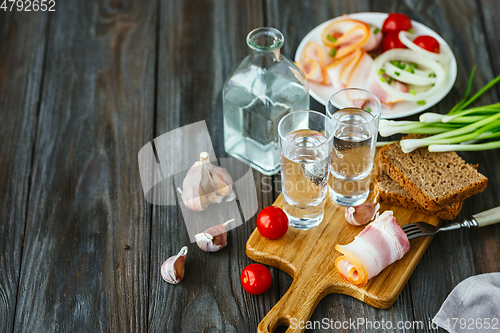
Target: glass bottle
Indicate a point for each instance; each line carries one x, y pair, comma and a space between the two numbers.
264, 88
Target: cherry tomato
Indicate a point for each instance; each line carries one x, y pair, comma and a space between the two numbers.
256, 279
391, 41
428, 43
272, 222
396, 22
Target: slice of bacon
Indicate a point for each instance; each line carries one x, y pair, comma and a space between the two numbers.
311, 69
314, 51
314, 61
358, 75
350, 35
338, 29
374, 39
346, 73
354, 35
336, 68
377, 246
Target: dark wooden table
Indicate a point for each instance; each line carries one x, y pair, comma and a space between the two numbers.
83, 88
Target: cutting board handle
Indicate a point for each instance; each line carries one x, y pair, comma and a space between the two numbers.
295, 307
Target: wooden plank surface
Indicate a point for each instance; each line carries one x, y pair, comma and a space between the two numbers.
200, 43
21, 67
485, 241
86, 202
116, 75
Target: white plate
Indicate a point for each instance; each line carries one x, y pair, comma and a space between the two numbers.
321, 93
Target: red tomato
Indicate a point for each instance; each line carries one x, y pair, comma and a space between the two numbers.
396, 22
272, 222
391, 41
256, 279
428, 43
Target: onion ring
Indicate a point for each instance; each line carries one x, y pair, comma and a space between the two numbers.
443, 56
409, 78
414, 57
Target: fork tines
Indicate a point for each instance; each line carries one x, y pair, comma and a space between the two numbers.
412, 231
409, 227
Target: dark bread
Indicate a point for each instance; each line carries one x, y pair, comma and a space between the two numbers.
434, 180
390, 191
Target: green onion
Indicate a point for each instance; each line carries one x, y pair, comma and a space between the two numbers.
464, 120
376, 31
381, 71
331, 38
333, 52
432, 75
479, 110
410, 70
368, 110
390, 80
467, 129
413, 65
480, 92
411, 144
402, 66
382, 79
410, 30
466, 147
397, 73
413, 92
469, 84
388, 128
395, 63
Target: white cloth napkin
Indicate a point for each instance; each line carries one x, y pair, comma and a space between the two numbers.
473, 306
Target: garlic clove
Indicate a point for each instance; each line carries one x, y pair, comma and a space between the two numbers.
192, 199
210, 184
206, 185
222, 180
205, 242
362, 214
172, 269
214, 238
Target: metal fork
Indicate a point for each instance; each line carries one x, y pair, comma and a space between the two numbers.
421, 229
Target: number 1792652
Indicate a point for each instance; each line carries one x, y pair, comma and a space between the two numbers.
28, 5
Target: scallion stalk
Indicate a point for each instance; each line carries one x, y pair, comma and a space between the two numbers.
412, 144
469, 147
469, 84
459, 129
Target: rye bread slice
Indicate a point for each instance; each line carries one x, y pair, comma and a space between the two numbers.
390, 191
432, 179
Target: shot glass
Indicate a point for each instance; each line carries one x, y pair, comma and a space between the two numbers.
355, 116
306, 149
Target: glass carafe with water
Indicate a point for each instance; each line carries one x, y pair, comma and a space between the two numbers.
264, 88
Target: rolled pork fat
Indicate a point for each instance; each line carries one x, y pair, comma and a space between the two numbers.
377, 246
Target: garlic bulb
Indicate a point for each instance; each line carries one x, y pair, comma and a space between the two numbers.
362, 214
172, 269
206, 183
213, 239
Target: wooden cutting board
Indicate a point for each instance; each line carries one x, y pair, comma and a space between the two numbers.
309, 257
